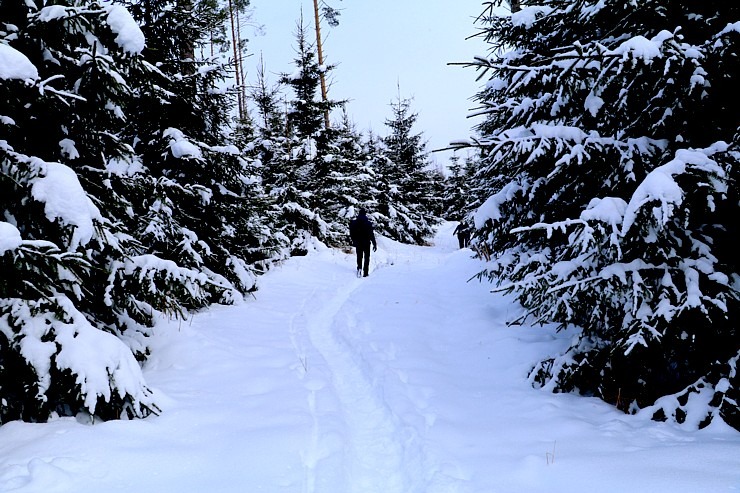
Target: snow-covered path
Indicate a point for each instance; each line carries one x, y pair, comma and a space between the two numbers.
374, 438
405, 381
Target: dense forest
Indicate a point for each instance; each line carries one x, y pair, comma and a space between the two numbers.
143, 178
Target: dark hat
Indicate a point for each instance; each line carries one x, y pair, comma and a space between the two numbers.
362, 211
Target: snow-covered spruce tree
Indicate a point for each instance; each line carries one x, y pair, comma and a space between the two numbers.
376, 190
438, 190
110, 87
302, 166
348, 181
475, 189
203, 207
407, 202
268, 150
610, 195
468, 200
73, 278
456, 191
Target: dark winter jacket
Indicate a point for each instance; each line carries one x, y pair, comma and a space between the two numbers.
361, 231
462, 230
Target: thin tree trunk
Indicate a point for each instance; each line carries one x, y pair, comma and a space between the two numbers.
321, 60
187, 46
243, 87
263, 89
237, 73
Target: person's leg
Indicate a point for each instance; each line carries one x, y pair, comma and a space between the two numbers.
358, 251
366, 266
461, 241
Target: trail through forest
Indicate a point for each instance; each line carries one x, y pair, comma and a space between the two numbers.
406, 381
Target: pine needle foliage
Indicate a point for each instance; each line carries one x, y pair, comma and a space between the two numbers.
608, 195
124, 201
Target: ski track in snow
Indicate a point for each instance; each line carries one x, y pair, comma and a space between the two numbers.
383, 456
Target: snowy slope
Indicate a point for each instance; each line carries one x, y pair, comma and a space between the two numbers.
405, 381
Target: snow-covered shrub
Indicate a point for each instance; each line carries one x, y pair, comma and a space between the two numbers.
53, 361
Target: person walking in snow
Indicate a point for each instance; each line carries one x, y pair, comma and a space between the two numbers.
463, 234
362, 235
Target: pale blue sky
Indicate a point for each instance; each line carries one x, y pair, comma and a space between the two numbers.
378, 44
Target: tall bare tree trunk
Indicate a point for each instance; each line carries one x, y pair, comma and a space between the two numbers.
237, 71
187, 46
243, 87
322, 78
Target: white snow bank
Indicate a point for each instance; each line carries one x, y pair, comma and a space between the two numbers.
15, 65
130, 38
65, 199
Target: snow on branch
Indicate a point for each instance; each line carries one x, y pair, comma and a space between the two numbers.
527, 16
641, 47
180, 146
65, 200
660, 185
15, 65
130, 38
10, 237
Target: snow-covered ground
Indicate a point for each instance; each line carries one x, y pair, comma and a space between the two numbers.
405, 381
